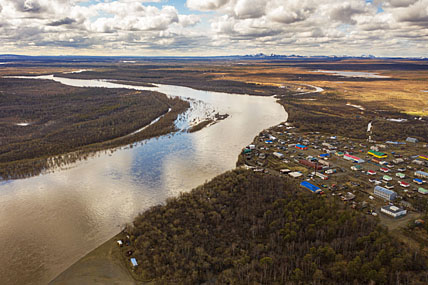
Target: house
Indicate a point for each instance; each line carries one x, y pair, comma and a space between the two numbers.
295, 174
301, 147
134, 262
398, 161
384, 169
375, 148
421, 174
349, 196
387, 178
356, 167
371, 172
279, 155
320, 175
311, 187
393, 211
425, 157
400, 175
384, 193
412, 140
396, 143
120, 243
418, 181
377, 154
422, 190
353, 158
310, 164
324, 155
389, 186
339, 153
324, 162
404, 184
285, 171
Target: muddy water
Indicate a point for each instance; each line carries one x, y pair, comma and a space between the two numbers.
50, 221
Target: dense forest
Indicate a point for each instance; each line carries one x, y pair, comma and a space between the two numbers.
250, 228
40, 119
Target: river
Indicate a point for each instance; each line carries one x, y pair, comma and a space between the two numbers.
49, 221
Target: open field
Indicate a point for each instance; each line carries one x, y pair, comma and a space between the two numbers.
400, 86
401, 89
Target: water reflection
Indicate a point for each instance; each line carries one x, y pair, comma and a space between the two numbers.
50, 221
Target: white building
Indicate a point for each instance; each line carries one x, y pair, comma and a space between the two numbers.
384, 193
393, 211
295, 174
279, 155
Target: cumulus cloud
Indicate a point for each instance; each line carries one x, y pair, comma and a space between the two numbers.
101, 24
65, 21
211, 26
205, 5
329, 26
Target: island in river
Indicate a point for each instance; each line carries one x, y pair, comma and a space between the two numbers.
44, 124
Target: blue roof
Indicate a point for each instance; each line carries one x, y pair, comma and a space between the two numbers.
418, 180
422, 173
134, 262
309, 186
300, 145
324, 154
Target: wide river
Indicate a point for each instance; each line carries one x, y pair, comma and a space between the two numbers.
49, 221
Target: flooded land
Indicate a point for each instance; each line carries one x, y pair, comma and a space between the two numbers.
61, 211
51, 220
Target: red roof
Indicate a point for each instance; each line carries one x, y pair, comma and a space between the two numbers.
353, 157
405, 184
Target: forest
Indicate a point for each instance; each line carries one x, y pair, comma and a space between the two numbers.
249, 228
330, 114
40, 119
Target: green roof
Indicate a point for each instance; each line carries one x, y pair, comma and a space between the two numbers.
378, 153
422, 190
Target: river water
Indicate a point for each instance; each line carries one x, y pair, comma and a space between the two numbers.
50, 221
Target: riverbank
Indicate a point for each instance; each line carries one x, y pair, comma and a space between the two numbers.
70, 123
237, 229
51, 220
76, 269
103, 265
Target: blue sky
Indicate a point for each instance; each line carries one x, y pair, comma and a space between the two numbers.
215, 27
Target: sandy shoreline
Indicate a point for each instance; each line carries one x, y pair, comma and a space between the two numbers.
102, 265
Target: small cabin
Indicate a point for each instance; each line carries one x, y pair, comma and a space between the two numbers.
134, 262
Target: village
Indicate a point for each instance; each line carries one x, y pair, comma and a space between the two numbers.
384, 179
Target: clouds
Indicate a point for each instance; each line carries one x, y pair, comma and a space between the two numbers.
384, 27
206, 5
105, 25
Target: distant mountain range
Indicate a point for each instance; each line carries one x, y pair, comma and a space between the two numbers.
5, 58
